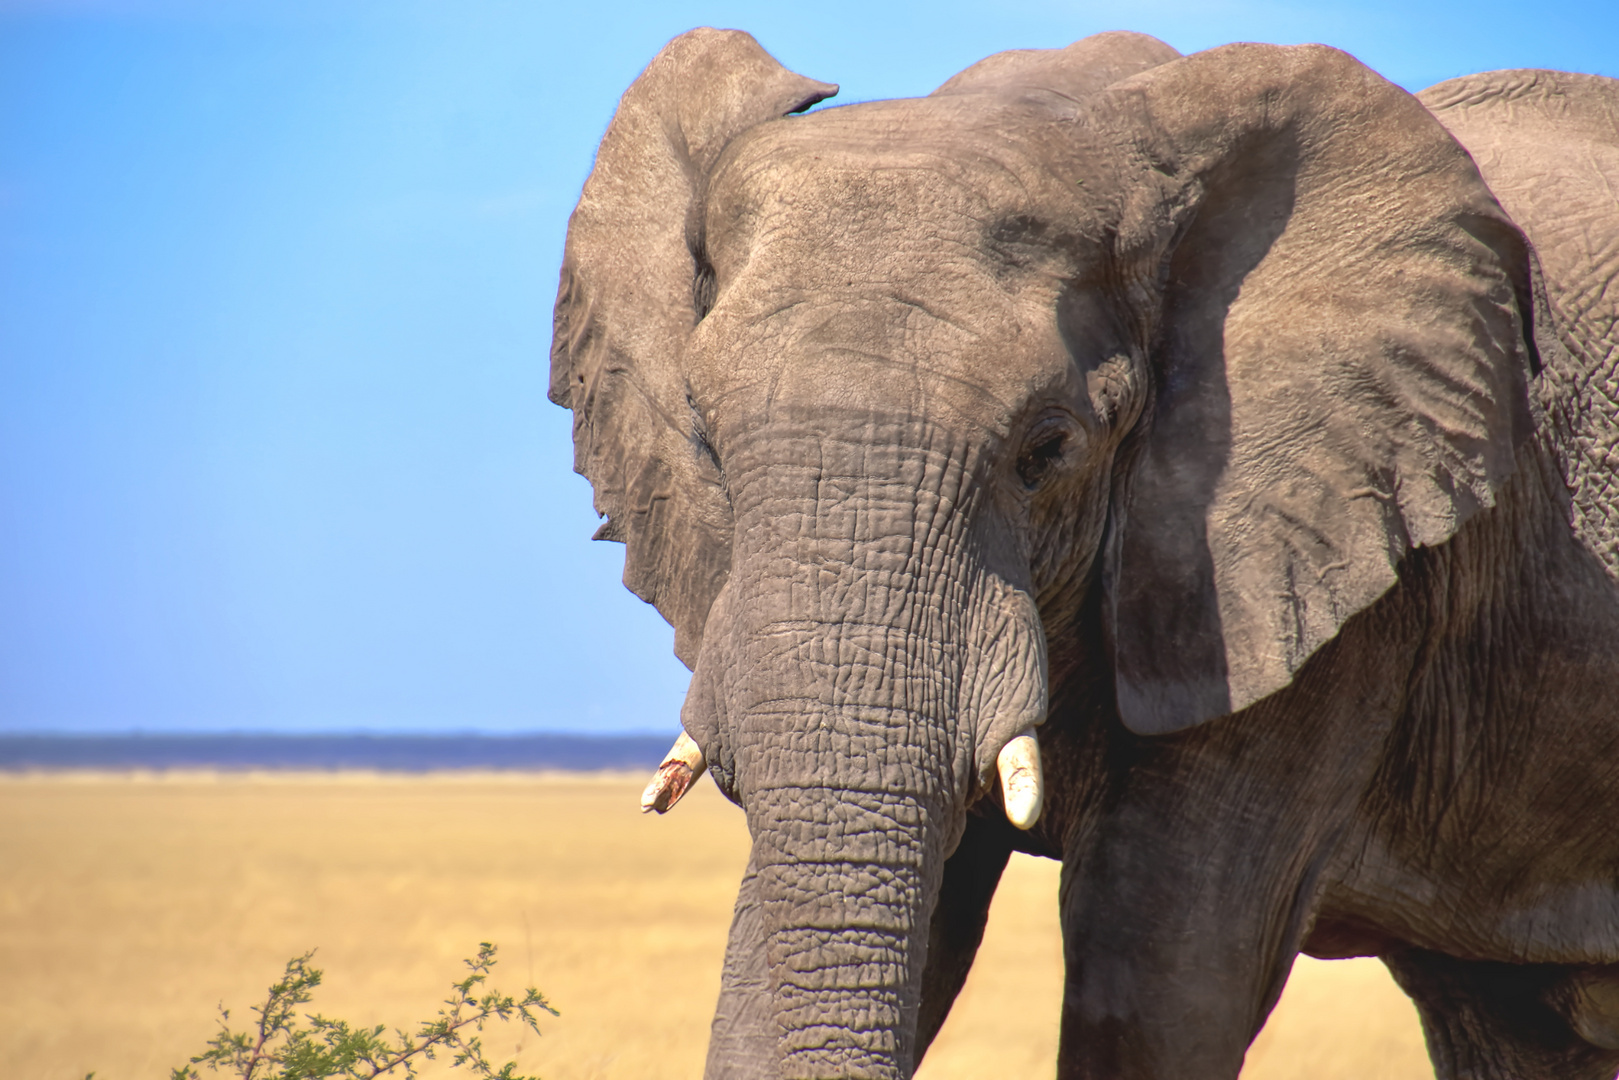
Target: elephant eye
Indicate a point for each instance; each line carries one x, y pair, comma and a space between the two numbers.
1043, 450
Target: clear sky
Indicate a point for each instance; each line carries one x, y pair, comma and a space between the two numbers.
275, 300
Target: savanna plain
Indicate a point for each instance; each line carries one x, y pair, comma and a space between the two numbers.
132, 906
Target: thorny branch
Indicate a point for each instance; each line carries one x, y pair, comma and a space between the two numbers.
334, 1050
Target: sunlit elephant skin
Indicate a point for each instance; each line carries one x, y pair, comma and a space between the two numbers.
1210, 413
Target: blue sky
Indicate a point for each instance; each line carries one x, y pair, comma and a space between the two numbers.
275, 295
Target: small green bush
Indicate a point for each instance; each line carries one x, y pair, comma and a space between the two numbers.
279, 1048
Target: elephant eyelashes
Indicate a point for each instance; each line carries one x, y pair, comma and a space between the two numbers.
700, 442
704, 287
1043, 452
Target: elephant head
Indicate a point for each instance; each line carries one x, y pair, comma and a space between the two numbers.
877, 397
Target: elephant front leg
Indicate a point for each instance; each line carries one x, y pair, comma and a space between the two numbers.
1187, 898
1491, 1021
1169, 976
957, 929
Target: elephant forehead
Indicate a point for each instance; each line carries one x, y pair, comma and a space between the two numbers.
873, 185
893, 316
955, 355
898, 256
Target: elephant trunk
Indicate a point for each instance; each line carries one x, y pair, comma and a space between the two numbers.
847, 883
861, 671
826, 955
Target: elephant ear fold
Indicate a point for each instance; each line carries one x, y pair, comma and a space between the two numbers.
633, 286
1338, 359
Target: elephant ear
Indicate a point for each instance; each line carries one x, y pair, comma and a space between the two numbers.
1330, 298
1547, 142
633, 287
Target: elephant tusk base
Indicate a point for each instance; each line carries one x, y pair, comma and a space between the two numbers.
681, 767
1022, 789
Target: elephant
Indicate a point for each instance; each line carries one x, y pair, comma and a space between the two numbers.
1197, 469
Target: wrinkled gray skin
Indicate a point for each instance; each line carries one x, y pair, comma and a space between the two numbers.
1210, 410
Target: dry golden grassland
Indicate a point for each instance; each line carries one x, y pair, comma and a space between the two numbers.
131, 906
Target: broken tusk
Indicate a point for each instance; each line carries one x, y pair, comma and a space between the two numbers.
682, 765
1022, 791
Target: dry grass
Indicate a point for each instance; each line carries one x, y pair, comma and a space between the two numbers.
130, 907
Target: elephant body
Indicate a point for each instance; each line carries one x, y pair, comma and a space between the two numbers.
1211, 415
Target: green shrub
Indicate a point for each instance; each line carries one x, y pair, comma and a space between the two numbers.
279, 1048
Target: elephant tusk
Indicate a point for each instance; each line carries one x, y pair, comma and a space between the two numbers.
681, 767
1022, 790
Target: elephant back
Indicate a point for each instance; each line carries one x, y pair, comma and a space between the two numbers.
1547, 143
